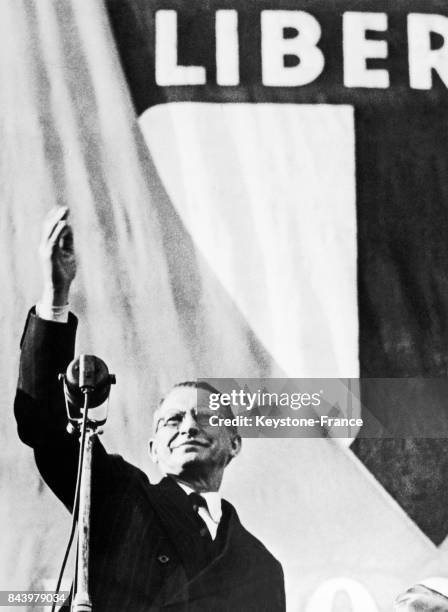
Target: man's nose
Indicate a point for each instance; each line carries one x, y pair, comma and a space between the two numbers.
189, 425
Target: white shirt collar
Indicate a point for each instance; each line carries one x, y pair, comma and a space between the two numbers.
213, 499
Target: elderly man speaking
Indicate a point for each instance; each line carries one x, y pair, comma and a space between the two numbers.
173, 546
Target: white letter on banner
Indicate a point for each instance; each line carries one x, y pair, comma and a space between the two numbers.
327, 594
423, 59
357, 49
227, 60
274, 48
168, 72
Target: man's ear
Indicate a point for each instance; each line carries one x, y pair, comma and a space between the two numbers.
152, 450
235, 446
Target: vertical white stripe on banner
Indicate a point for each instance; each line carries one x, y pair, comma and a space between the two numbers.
267, 192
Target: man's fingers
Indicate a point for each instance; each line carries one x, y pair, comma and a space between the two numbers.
65, 240
57, 214
57, 255
60, 238
61, 228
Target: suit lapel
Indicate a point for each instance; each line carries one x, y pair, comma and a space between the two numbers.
174, 511
230, 558
234, 556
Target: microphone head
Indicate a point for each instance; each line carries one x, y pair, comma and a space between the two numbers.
87, 373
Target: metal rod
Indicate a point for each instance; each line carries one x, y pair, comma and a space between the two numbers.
81, 602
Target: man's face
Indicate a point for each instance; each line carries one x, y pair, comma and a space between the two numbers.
184, 440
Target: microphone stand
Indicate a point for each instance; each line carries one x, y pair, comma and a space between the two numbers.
87, 382
81, 599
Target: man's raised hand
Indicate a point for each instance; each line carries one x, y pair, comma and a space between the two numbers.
57, 256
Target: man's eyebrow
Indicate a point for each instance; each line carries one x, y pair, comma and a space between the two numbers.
175, 410
168, 414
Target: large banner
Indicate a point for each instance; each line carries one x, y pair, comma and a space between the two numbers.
258, 189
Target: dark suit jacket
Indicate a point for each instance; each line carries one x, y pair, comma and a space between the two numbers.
147, 552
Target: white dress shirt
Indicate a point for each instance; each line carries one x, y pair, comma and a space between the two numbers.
213, 513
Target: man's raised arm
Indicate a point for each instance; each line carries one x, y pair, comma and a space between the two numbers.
48, 341
47, 347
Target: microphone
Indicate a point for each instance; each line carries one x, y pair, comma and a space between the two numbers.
86, 374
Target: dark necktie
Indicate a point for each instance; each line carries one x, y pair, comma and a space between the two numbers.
197, 501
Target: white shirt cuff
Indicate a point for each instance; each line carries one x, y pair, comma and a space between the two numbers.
59, 314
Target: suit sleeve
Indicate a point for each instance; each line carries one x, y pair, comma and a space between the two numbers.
281, 591
47, 348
